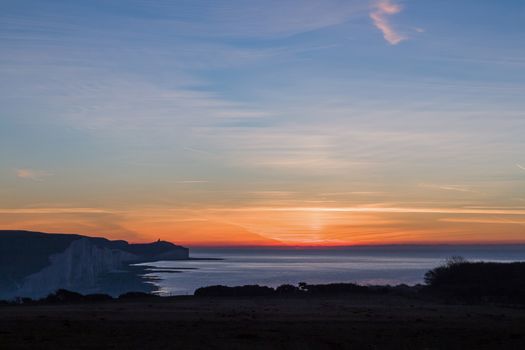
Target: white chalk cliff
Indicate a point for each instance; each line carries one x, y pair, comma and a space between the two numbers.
77, 268
35, 264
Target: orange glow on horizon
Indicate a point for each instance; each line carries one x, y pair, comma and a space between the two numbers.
279, 226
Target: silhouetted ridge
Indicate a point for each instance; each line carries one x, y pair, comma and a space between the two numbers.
157, 250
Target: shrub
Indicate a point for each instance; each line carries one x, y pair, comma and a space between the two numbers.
137, 295
240, 291
479, 280
288, 289
63, 296
98, 297
334, 288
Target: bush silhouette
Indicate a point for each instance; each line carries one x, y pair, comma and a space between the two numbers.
98, 297
63, 296
479, 280
240, 291
137, 295
288, 289
334, 288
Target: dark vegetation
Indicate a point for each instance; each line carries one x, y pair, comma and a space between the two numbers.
63, 296
478, 281
303, 289
456, 281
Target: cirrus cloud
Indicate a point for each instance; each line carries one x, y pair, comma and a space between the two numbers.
31, 174
383, 9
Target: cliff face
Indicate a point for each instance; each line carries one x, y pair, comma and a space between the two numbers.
77, 268
36, 264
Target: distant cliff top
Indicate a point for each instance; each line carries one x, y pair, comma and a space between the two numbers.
32, 242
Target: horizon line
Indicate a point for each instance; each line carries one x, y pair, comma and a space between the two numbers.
284, 246
346, 246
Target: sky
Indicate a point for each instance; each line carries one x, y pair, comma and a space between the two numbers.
290, 122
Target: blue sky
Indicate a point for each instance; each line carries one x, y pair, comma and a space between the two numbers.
122, 106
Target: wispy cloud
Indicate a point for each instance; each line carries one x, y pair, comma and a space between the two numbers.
192, 181
31, 174
484, 221
456, 188
393, 210
270, 18
55, 211
520, 166
272, 193
191, 149
382, 10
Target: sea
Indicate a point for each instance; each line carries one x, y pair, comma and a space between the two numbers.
377, 265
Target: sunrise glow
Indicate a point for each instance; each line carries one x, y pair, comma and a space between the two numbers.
357, 122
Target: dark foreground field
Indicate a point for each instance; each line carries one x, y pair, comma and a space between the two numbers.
351, 322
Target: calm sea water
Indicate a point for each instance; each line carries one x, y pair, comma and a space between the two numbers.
270, 267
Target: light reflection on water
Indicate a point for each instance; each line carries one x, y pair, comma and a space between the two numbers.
273, 268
